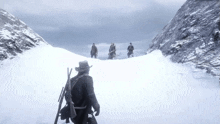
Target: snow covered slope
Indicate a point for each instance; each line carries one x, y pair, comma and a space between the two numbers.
15, 36
144, 90
190, 35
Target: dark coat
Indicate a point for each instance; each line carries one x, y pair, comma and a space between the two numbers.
83, 95
112, 50
94, 50
130, 48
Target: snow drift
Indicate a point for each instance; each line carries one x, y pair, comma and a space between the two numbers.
145, 90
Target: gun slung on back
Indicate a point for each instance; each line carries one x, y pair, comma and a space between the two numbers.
60, 100
72, 110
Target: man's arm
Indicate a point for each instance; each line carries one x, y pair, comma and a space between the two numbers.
91, 95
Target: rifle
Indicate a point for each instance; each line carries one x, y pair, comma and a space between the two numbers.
67, 92
69, 98
111, 52
62, 94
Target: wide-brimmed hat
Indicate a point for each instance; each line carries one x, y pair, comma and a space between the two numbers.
83, 66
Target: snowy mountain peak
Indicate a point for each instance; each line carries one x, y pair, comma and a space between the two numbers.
192, 35
15, 36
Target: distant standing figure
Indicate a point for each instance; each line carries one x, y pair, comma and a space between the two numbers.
112, 51
94, 51
130, 50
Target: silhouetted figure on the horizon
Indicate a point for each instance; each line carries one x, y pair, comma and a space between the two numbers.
94, 51
112, 51
130, 50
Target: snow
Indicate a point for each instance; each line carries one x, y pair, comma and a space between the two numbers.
202, 46
148, 89
216, 20
194, 29
199, 51
5, 34
29, 32
179, 42
216, 61
191, 56
195, 12
10, 16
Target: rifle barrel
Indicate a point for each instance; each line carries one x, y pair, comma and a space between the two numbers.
60, 94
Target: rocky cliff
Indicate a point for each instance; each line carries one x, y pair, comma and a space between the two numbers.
15, 36
193, 35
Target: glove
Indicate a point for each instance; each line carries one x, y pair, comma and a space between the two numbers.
97, 109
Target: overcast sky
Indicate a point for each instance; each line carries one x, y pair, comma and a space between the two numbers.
65, 22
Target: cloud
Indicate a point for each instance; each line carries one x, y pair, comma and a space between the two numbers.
75, 6
72, 21
46, 28
2, 3
85, 6
86, 12
170, 2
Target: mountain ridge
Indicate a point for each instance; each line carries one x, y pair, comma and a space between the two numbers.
15, 36
190, 35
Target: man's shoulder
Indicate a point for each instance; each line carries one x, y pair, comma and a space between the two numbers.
85, 76
86, 79
82, 78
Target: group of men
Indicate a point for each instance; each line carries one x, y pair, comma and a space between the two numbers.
112, 51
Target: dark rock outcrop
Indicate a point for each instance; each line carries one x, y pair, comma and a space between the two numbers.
15, 36
193, 35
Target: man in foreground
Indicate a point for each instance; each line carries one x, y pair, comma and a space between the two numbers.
83, 97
